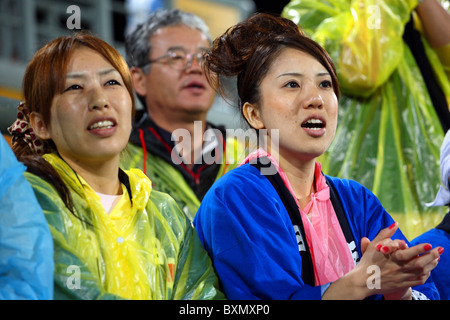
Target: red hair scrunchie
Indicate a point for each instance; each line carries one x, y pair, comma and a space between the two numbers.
21, 128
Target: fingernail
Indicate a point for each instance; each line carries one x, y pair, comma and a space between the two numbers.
392, 225
440, 250
427, 247
385, 249
378, 247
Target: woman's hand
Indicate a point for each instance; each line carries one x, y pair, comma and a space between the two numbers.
397, 269
400, 267
417, 262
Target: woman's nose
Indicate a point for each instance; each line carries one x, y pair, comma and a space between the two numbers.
97, 99
313, 100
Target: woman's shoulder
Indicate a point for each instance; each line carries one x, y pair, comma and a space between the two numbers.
355, 195
243, 181
244, 175
243, 189
159, 207
39, 183
143, 191
349, 186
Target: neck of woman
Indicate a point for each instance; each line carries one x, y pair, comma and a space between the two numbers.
102, 176
300, 173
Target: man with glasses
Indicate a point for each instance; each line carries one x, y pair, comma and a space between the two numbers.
165, 54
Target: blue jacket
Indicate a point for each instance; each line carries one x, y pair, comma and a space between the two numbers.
247, 231
26, 246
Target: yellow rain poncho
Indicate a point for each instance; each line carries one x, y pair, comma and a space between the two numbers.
144, 249
388, 134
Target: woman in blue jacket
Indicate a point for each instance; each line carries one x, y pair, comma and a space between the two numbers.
277, 227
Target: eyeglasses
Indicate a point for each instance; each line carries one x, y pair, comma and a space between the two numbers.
178, 59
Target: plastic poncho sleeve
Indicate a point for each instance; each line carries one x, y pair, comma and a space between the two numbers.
26, 247
363, 37
195, 278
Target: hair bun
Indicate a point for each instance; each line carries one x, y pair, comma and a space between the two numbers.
231, 51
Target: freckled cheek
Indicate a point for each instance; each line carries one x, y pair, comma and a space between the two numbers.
279, 110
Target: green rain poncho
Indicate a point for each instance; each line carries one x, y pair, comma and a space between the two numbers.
388, 134
146, 249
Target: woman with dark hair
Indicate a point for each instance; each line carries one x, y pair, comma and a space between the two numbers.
114, 237
277, 227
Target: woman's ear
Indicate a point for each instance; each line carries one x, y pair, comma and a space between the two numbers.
39, 126
139, 80
252, 114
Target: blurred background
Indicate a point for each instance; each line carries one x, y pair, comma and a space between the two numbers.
26, 25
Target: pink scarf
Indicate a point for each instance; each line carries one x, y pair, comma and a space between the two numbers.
329, 250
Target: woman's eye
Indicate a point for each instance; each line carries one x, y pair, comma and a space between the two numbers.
112, 82
73, 87
292, 84
326, 84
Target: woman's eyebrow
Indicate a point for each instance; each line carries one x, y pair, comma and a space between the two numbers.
298, 74
288, 74
107, 71
77, 75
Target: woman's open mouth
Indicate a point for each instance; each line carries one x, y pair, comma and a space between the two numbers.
103, 128
314, 126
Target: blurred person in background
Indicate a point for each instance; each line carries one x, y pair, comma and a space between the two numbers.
166, 57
